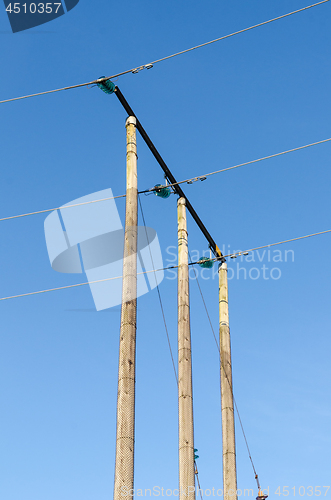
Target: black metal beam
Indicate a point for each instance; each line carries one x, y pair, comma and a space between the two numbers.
168, 174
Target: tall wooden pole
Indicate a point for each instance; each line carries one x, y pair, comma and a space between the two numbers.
185, 396
124, 466
228, 431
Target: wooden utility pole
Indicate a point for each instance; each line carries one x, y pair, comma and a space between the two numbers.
185, 396
124, 466
228, 432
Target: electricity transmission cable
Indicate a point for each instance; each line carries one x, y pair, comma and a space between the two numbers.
187, 181
237, 254
219, 352
204, 176
240, 31
60, 208
158, 292
150, 65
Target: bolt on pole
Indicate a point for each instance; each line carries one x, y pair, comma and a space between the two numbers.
124, 465
228, 430
185, 396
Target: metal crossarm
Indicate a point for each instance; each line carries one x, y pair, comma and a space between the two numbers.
217, 252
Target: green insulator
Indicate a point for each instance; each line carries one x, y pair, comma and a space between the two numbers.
206, 263
106, 86
196, 456
162, 191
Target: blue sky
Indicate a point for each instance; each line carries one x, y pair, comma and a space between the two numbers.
252, 95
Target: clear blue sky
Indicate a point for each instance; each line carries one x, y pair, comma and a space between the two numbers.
252, 95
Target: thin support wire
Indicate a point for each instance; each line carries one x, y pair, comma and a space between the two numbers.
219, 352
159, 294
197, 476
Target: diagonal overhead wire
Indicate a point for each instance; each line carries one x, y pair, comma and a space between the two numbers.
63, 206
241, 31
165, 268
189, 181
204, 176
159, 294
225, 374
237, 254
149, 65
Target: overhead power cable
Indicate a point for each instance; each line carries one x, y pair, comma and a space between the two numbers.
150, 64
204, 176
237, 254
189, 181
241, 31
64, 206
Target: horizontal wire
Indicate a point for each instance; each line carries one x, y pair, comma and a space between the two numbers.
93, 82
280, 242
60, 208
197, 178
144, 66
166, 268
240, 31
81, 284
154, 189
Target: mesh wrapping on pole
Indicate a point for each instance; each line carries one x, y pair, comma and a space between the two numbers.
124, 465
228, 431
185, 401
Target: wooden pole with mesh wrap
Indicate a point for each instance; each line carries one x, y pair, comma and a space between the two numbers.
124, 465
185, 399
228, 431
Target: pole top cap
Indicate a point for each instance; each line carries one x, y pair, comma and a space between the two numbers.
131, 120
